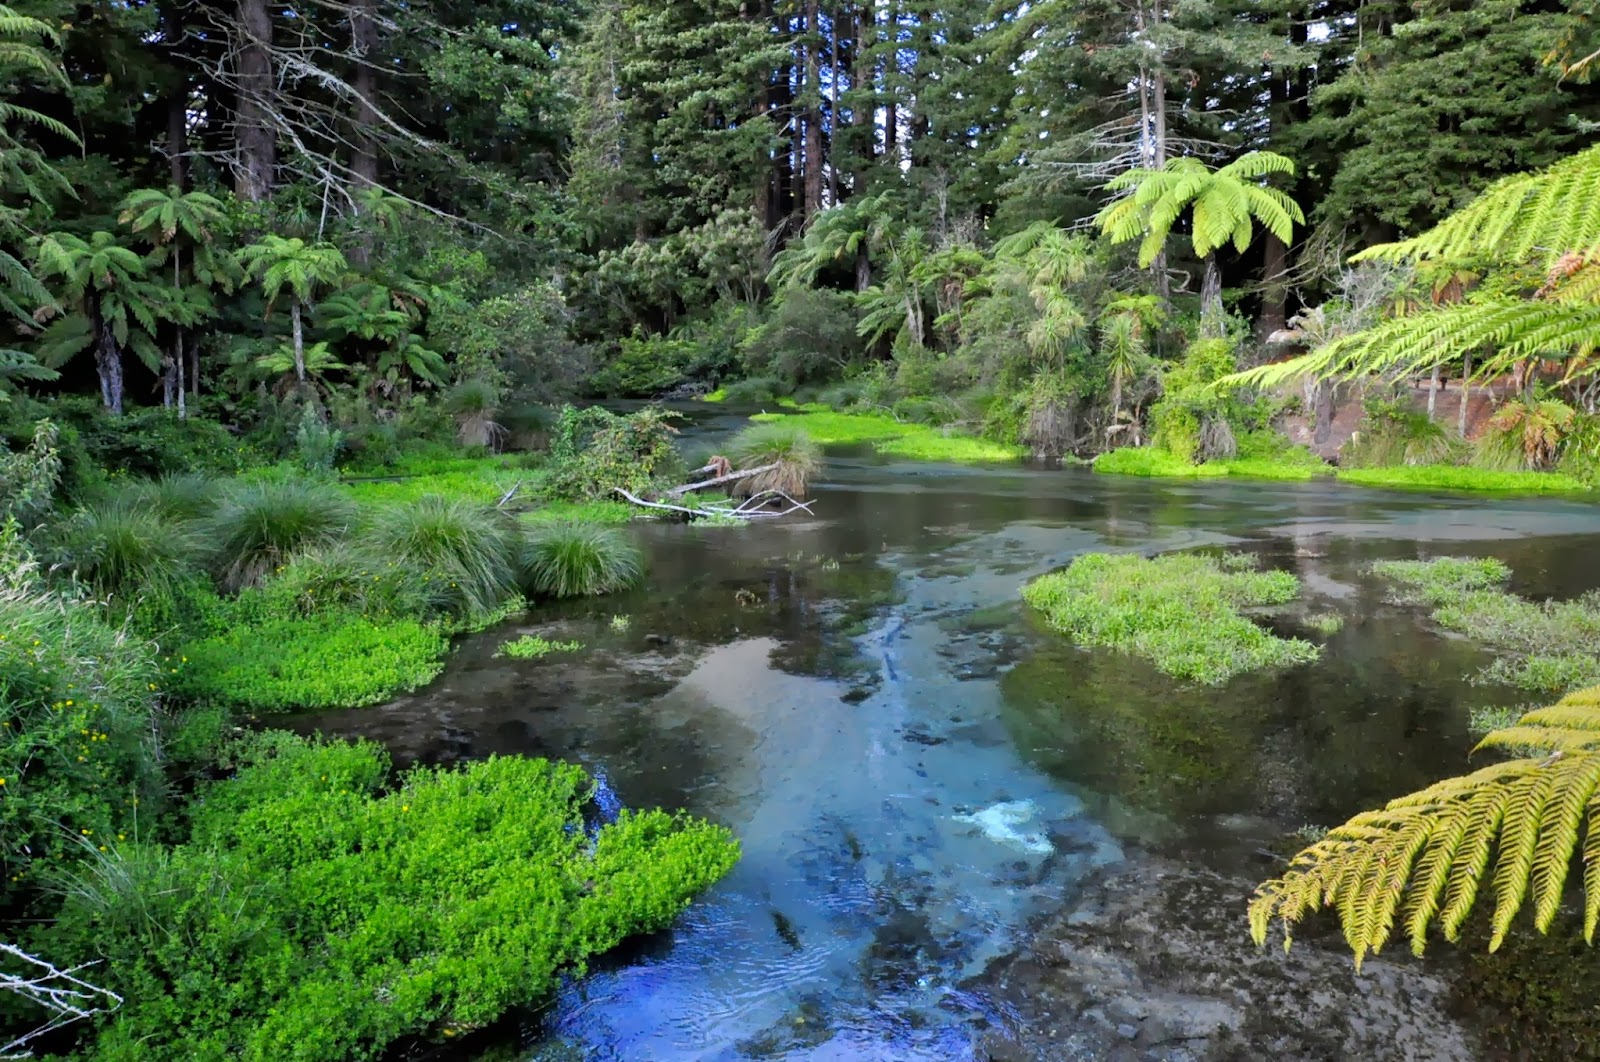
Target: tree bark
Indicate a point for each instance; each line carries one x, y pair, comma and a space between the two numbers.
812, 146
1212, 322
255, 142
1433, 389
183, 407
863, 268
299, 343
108, 365
177, 99
364, 115
1275, 287
1466, 396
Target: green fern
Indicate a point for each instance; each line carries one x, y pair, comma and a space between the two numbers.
1422, 860
1543, 225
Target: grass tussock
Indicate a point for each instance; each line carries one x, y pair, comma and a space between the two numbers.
564, 559
123, 548
470, 547
797, 456
259, 527
1181, 612
1547, 647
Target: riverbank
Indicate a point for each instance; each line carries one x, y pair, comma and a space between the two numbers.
886, 435
1151, 462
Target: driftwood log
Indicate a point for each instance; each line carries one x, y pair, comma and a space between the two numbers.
752, 508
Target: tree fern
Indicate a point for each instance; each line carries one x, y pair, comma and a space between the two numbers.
1422, 860
1538, 238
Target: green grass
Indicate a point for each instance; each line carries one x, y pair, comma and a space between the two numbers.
1547, 647
1180, 612
1324, 623
1153, 462
564, 559
781, 443
889, 436
582, 512
260, 526
719, 395
532, 647
480, 481
1464, 477
471, 547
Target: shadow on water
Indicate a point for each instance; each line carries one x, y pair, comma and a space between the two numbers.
917, 772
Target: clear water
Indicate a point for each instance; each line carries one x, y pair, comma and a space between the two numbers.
916, 771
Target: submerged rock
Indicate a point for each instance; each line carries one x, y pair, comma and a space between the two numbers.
1159, 966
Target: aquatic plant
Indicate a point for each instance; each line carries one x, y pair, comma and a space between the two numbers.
469, 547
1180, 611
1543, 646
621, 623
1325, 623
123, 549
887, 435
325, 908
1153, 461
566, 559
532, 647
259, 526
1288, 463
797, 458
1421, 862
335, 659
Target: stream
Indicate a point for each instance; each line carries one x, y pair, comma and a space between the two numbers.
928, 785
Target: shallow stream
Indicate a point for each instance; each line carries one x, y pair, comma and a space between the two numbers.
918, 772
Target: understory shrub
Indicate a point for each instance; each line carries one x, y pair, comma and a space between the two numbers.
122, 548
756, 391
1193, 420
1547, 647
569, 559
148, 442
78, 760
259, 526
317, 916
1179, 611
1395, 434
334, 659
809, 337
593, 452
645, 367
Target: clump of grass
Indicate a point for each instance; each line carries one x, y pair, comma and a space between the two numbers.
473, 404
1180, 611
1154, 462
1484, 718
124, 549
259, 526
470, 546
796, 457
1459, 477
566, 559
1543, 646
187, 497
532, 647
1325, 623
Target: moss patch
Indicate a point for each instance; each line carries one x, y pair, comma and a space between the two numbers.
1154, 462
1463, 477
1181, 612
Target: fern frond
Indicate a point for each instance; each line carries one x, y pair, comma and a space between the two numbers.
1422, 859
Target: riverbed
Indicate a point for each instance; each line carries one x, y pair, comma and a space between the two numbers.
964, 838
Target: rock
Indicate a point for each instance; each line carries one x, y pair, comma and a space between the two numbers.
855, 694
657, 640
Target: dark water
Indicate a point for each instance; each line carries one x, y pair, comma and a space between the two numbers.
916, 770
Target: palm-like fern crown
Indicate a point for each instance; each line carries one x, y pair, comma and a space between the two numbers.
1421, 861
1225, 204
1536, 239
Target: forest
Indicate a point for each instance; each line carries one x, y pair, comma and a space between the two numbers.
335, 334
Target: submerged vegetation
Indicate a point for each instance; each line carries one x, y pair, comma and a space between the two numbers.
1181, 612
533, 647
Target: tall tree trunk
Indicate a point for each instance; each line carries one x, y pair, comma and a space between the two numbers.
177, 146
169, 375
255, 141
364, 80
830, 148
863, 268
107, 363
1212, 321
183, 406
1275, 288
299, 343
1466, 396
812, 145
1433, 389
863, 112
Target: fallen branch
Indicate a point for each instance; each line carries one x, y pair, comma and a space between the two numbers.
717, 481
744, 511
508, 495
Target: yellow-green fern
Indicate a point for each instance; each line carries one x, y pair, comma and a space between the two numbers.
1422, 860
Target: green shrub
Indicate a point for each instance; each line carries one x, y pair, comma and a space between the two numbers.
259, 526
1179, 611
643, 368
532, 647
470, 547
797, 458
1393, 433
593, 452
123, 550
564, 559
756, 391
810, 335
333, 659
344, 577
473, 403
78, 763
149, 442
315, 916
